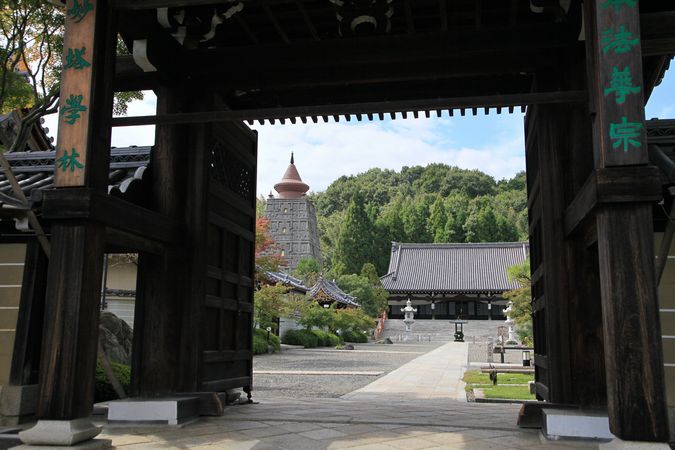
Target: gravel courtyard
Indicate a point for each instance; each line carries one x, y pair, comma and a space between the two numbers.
365, 358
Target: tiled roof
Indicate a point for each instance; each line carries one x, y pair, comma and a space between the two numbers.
332, 290
661, 139
453, 268
35, 170
286, 280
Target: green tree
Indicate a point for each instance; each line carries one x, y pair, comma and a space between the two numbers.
369, 272
481, 223
268, 304
351, 319
438, 220
521, 300
373, 298
314, 315
355, 239
308, 270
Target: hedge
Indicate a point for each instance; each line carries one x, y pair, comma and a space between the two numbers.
103, 390
326, 339
260, 342
354, 336
300, 337
310, 338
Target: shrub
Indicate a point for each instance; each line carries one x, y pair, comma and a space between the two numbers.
354, 336
300, 337
326, 339
103, 389
260, 342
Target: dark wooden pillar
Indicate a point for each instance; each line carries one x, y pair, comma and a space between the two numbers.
633, 352
569, 352
69, 344
160, 289
71, 328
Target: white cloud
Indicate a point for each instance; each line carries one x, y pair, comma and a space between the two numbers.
325, 152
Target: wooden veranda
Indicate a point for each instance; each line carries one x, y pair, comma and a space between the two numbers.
581, 70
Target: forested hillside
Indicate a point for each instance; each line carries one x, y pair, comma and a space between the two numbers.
359, 216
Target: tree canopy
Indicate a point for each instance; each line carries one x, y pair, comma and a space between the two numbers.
359, 216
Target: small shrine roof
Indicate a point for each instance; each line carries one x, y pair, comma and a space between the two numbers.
332, 291
286, 280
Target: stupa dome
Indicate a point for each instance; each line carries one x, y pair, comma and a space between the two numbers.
291, 185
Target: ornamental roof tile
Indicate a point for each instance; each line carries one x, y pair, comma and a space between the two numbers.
286, 280
453, 268
332, 290
35, 170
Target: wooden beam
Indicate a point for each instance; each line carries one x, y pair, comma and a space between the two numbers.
276, 24
247, 31
308, 21
613, 185
443, 10
409, 17
72, 204
363, 108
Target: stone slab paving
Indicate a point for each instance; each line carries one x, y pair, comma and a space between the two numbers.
418, 406
436, 374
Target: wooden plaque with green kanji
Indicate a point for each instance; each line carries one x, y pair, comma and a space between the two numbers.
76, 90
618, 83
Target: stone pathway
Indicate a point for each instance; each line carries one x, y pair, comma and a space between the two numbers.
436, 374
420, 405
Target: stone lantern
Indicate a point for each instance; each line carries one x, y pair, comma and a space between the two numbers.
408, 318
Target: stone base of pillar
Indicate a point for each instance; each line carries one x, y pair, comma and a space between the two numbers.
17, 404
575, 424
92, 444
64, 433
617, 444
163, 410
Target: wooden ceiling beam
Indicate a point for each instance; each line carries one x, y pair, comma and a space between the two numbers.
384, 49
276, 24
308, 21
443, 10
245, 28
391, 107
409, 17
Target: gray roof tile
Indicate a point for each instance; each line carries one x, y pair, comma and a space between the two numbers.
453, 268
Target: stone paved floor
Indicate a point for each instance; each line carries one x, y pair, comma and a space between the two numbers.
416, 406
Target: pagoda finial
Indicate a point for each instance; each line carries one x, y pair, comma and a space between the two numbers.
291, 185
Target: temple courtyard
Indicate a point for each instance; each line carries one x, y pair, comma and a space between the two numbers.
420, 403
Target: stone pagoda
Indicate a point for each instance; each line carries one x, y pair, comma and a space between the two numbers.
293, 219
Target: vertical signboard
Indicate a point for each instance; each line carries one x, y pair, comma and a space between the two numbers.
618, 71
76, 92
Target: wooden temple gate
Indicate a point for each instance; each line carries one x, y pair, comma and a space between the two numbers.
582, 70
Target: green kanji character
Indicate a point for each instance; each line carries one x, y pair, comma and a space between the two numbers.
621, 84
625, 134
79, 10
69, 161
75, 59
617, 4
73, 109
621, 41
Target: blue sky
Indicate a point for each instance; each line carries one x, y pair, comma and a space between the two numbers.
324, 152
